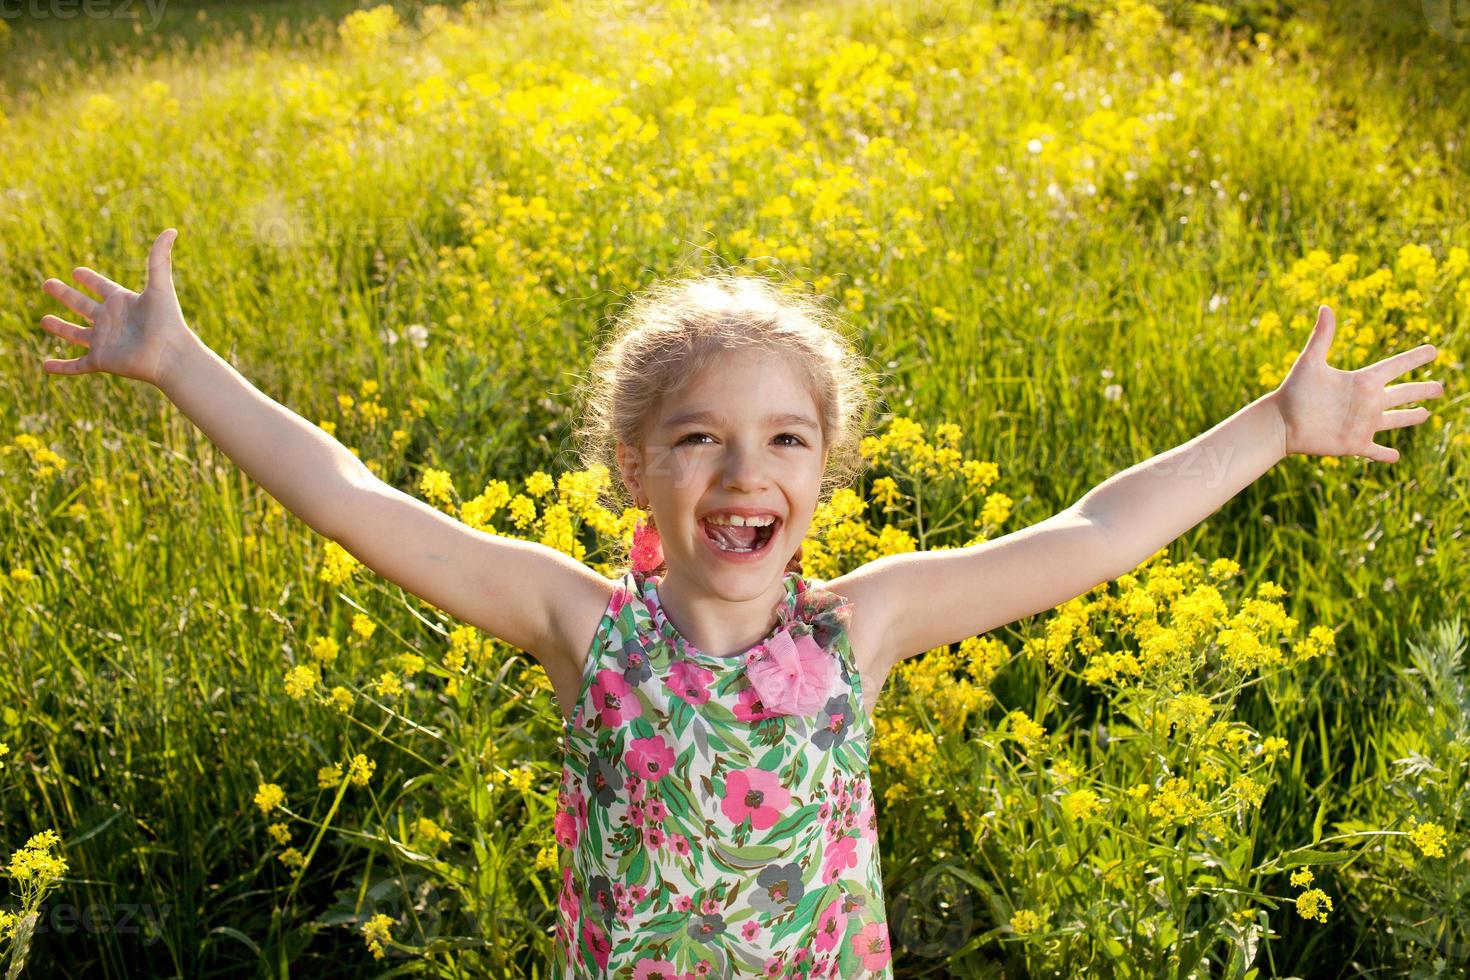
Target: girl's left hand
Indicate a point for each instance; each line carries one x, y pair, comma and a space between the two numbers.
1329, 412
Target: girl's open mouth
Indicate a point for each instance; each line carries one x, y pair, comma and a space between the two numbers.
740, 542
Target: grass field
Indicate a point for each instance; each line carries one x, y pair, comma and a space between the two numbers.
1069, 234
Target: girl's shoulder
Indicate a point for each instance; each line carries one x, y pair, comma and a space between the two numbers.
579, 614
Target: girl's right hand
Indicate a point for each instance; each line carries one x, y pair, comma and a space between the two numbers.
132, 334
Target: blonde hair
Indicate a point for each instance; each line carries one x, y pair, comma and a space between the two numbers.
676, 328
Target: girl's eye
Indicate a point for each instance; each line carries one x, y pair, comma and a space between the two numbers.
796, 440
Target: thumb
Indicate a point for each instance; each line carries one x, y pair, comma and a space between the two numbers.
1321, 340
159, 259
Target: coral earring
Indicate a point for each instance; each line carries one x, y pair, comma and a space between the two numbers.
648, 552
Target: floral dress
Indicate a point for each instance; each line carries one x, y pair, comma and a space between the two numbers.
701, 833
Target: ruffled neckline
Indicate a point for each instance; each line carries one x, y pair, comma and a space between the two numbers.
804, 607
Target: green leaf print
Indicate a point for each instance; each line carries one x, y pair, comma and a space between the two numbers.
669, 922
787, 828
805, 915
633, 866
772, 759
677, 799
750, 857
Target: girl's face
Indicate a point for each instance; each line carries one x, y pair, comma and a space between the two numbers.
745, 434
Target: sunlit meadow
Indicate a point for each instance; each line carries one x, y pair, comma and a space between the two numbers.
1069, 235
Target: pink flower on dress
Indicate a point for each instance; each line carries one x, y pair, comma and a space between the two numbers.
567, 900
840, 856
610, 697
689, 681
651, 758
652, 969
868, 823
754, 793
831, 925
794, 676
871, 945
564, 829
597, 940
749, 708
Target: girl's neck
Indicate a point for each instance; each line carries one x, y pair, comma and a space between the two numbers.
716, 625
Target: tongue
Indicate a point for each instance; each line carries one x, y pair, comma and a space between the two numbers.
731, 536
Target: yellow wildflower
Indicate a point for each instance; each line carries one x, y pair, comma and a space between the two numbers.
1023, 727
431, 831
361, 769
341, 699
301, 679
269, 796
1026, 921
324, 650
1080, 804
1313, 904
1273, 747
1429, 838
376, 931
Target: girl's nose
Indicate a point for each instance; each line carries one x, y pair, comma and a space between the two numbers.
743, 472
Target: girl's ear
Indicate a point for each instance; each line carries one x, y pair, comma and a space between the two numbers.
629, 469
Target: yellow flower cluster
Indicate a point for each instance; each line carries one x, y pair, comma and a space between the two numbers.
324, 650
1312, 903
1024, 728
933, 682
1175, 800
34, 864
362, 31
377, 932
1025, 921
1430, 838
301, 679
429, 832
338, 564
360, 769
1175, 618
1081, 804
903, 754
268, 796
1382, 311
44, 462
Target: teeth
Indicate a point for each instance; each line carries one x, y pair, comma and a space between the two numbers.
735, 520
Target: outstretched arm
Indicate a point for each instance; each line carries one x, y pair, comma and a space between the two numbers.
1318, 410
918, 601
505, 586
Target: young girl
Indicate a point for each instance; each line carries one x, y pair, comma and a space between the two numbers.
715, 814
